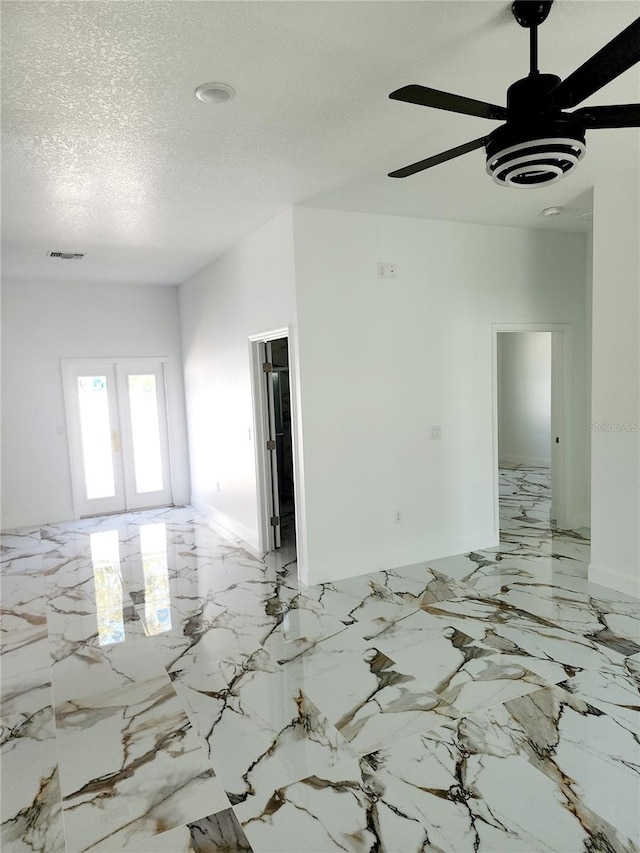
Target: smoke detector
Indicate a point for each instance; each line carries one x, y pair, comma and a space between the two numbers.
215, 93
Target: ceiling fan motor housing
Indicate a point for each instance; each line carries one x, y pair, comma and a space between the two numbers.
538, 146
533, 154
531, 94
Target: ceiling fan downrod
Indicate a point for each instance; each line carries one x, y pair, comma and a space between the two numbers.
530, 14
533, 51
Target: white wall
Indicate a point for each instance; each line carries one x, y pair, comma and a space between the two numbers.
247, 291
586, 495
615, 440
381, 361
43, 322
524, 398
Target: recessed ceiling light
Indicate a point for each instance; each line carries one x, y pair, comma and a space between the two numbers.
551, 211
215, 93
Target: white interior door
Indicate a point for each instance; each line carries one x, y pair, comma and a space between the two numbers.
118, 439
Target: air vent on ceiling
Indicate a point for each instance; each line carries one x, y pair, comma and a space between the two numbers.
67, 256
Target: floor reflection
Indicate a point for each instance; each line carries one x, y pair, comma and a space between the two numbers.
153, 547
105, 557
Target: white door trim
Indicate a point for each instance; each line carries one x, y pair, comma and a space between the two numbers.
561, 351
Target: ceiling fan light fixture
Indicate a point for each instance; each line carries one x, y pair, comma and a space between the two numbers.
517, 160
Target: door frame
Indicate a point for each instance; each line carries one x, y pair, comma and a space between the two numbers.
275, 534
260, 433
561, 418
67, 368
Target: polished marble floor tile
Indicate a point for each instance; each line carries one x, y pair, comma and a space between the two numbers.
615, 692
366, 695
261, 728
29, 780
165, 690
332, 811
591, 755
206, 630
472, 787
131, 766
465, 672
301, 629
589, 611
539, 644
24, 644
22, 552
218, 833
92, 652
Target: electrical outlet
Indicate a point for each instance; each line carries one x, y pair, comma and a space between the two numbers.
391, 270
436, 432
397, 516
382, 270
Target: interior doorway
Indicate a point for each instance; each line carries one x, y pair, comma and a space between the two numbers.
561, 512
525, 432
118, 436
274, 441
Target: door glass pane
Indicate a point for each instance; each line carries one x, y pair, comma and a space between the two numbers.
95, 428
145, 430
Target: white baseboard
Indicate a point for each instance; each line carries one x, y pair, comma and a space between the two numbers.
580, 520
11, 523
228, 527
614, 580
575, 521
408, 556
534, 461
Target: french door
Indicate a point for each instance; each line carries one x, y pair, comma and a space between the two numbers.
118, 439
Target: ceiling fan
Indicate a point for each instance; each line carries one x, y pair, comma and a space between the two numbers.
539, 142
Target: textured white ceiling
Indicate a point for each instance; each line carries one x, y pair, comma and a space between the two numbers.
106, 151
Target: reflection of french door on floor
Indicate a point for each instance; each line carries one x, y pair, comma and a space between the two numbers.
117, 431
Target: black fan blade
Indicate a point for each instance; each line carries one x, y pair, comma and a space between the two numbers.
426, 97
604, 66
624, 115
437, 158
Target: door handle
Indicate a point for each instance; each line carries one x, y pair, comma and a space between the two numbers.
115, 441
